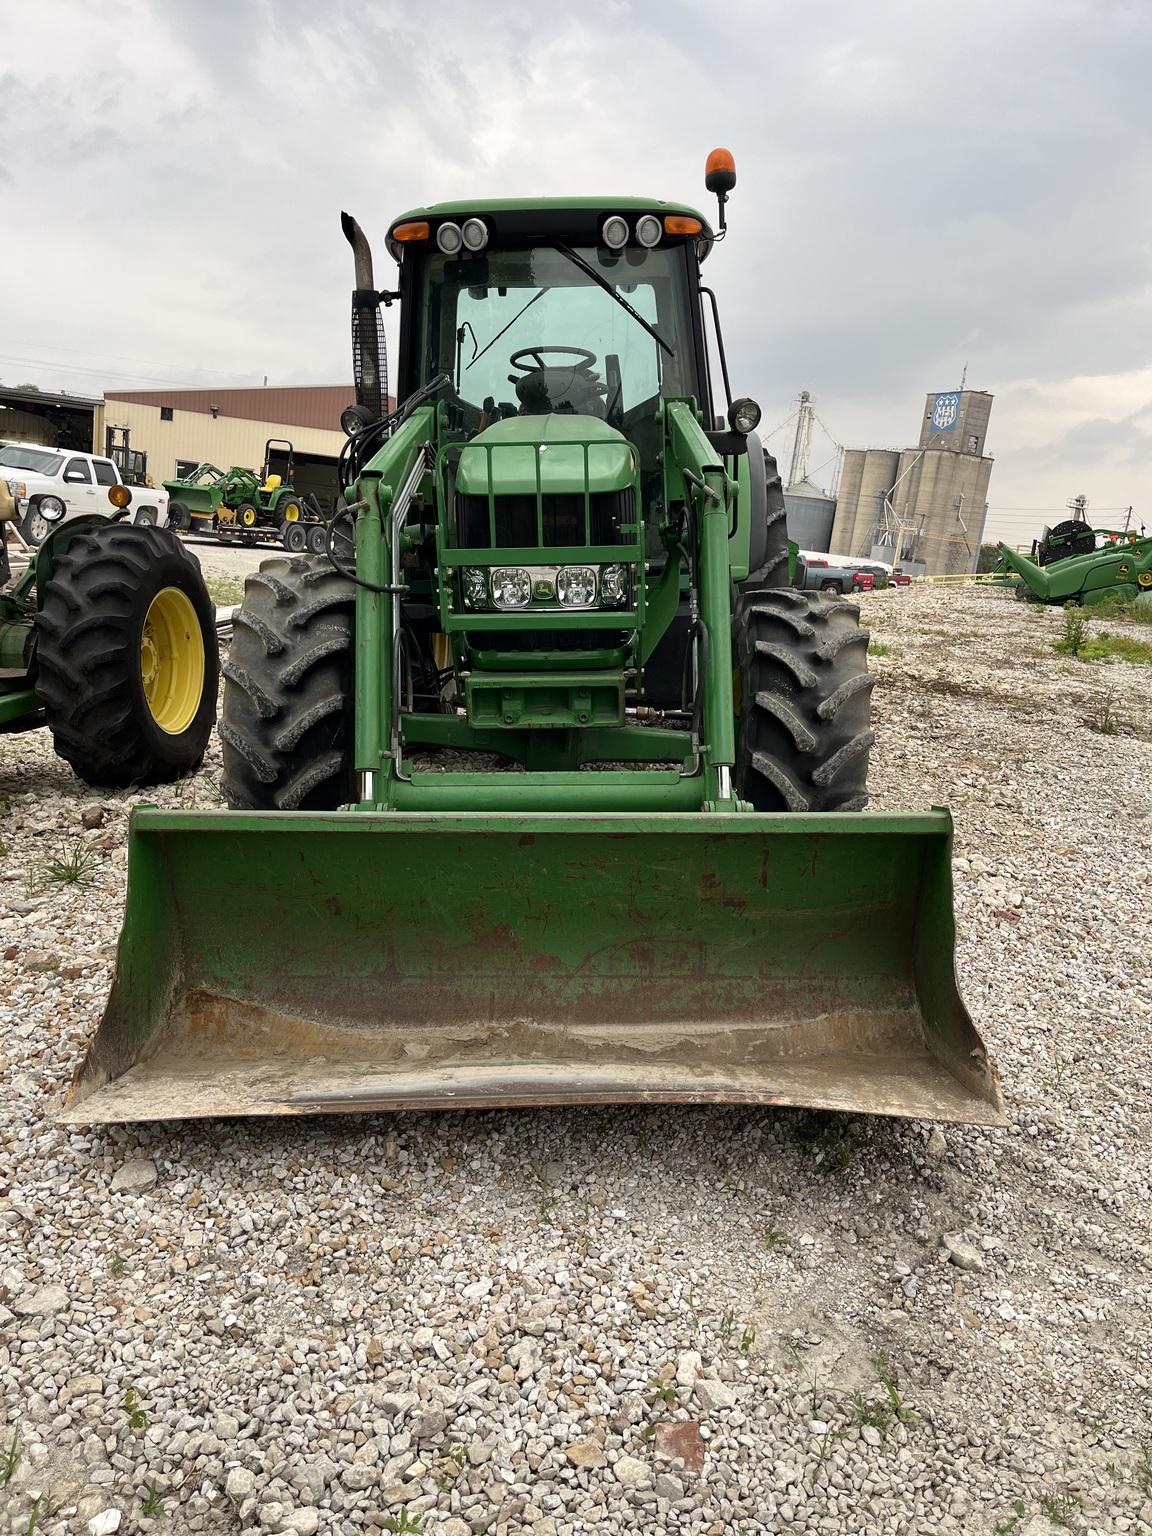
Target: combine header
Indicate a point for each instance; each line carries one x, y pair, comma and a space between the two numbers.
547, 787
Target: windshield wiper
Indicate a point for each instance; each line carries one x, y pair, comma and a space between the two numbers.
508, 327
602, 282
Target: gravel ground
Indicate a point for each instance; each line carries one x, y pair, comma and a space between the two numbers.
697, 1320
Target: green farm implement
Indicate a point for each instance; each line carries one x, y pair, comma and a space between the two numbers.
251, 508
109, 639
547, 787
1083, 566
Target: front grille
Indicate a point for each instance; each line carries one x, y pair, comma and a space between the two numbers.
562, 518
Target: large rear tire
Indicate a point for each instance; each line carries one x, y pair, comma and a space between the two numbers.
287, 718
805, 731
127, 662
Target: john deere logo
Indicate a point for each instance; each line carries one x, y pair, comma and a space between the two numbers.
945, 410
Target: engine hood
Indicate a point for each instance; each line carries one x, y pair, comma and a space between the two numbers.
573, 453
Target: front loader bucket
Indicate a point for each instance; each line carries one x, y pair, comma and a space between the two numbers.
296, 963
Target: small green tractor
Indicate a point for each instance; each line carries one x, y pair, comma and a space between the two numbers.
109, 639
547, 787
239, 504
1074, 563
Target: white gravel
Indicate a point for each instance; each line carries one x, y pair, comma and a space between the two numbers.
694, 1320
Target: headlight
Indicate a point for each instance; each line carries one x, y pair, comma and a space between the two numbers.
51, 509
511, 586
18, 489
449, 238
614, 585
614, 232
744, 416
648, 230
475, 234
475, 587
576, 586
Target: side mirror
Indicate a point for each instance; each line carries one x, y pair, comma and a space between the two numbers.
73, 477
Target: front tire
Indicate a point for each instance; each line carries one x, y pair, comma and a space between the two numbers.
287, 718
146, 517
127, 662
35, 527
805, 732
294, 537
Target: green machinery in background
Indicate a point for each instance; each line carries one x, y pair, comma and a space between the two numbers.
556, 560
109, 639
252, 508
1078, 564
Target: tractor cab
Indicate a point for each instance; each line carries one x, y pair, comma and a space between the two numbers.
581, 308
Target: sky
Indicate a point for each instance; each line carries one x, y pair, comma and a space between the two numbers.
923, 188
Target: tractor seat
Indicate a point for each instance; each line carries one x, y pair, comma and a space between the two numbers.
272, 483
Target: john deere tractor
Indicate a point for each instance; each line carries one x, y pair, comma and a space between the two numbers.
239, 504
109, 639
547, 786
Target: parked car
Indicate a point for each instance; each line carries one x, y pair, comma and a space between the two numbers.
897, 578
52, 484
834, 573
7, 515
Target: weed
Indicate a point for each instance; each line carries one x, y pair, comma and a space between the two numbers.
866, 1415
5, 802
661, 1391
747, 1339
1075, 636
736, 1186
774, 1238
900, 1410
727, 1322
152, 1503
10, 1460
1060, 1507
34, 1516
881, 648
1007, 1526
117, 1266
71, 864
1116, 607
1104, 719
403, 1524
137, 1418
225, 591
1109, 647
1144, 1468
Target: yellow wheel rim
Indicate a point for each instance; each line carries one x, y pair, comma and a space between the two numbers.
248, 516
172, 661
1145, 578
292, 513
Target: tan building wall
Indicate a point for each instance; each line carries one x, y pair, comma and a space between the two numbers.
196, 436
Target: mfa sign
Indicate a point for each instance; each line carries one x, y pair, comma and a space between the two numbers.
945, 411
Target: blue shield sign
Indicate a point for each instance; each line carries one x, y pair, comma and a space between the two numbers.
945, 411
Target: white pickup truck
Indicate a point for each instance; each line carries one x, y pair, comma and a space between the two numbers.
51, 484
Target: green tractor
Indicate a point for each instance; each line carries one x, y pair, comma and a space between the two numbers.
1074, 563
547, 787
239, 504
109, 639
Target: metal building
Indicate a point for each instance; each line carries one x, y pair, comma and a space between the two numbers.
810, 514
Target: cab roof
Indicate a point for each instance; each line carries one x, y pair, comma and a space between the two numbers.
550, 207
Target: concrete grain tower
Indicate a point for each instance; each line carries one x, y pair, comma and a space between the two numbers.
923, 508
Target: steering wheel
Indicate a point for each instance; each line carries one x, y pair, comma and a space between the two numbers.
585, 359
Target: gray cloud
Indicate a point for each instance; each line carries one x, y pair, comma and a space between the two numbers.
920, 186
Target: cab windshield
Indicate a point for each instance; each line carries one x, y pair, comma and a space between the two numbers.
529, 331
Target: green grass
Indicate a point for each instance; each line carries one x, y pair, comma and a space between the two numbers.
1060, 1507
403, 1524
1123, 608
70, 864
1109, 647
1144, 1468
225, 591
152, 1503
879, 648
1105, 646
10, 1460
1012, 1523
